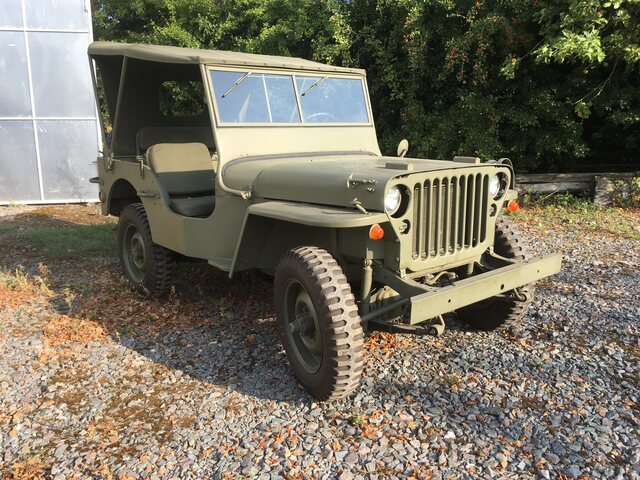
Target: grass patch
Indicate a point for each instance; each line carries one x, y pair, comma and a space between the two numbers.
77, 241
577, 211
6, 228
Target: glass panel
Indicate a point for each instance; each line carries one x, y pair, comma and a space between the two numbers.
255, 98
56, 14
14, 79
68, 151
61, 76
282, 99
10, 13
244, 103
18, 164
332, 100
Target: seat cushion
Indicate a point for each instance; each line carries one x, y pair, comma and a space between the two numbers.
193, 206
184, 169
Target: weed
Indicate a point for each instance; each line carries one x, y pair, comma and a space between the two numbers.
564, 199
43, 279
625, 191
69, 296
124, 331
82, 288
356, 420
17, 280
222, 306
451, 379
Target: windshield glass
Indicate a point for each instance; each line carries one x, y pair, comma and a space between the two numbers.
246, 97
332, 100
255, 97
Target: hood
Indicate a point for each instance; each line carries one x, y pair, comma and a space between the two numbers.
336, 179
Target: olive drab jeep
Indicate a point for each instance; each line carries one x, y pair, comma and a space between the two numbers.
272, 164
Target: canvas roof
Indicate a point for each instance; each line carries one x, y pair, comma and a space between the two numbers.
168, 54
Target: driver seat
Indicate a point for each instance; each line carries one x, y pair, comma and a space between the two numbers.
186, 172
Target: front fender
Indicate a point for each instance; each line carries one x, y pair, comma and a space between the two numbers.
315, 215
269, 228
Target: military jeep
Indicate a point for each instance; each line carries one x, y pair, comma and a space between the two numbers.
272, 164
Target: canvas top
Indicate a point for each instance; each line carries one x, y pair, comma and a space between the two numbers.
168, 54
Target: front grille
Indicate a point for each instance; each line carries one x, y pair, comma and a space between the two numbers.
449, 214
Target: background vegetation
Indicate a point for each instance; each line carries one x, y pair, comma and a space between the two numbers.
554, 85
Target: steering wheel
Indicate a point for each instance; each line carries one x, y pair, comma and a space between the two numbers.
327, 115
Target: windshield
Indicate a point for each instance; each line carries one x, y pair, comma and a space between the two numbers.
247, 97
325, 100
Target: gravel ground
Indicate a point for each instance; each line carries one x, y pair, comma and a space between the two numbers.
197, 386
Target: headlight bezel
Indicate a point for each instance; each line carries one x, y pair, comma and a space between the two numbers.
396, 193
501, 179
494, 186
405, 200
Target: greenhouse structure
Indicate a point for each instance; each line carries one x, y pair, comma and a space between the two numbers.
49, 132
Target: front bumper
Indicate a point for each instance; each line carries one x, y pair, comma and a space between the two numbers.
426, 302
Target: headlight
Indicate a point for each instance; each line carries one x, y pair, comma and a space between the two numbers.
494, 186
392, 200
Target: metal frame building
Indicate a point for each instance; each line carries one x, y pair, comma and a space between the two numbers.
49, 129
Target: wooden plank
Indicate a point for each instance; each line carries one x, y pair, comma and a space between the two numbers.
556, 187
568, 177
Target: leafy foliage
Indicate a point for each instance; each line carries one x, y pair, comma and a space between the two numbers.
551, 85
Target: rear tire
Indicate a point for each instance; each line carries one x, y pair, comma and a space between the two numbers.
147, 266
321, 330
501, 314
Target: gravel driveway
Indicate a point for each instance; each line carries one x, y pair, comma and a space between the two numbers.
97, 382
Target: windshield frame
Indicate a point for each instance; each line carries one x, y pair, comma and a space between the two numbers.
293, 74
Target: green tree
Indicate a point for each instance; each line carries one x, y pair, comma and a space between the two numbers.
306, 28
550, 84
496, 79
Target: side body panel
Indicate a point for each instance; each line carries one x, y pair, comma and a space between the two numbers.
213, 238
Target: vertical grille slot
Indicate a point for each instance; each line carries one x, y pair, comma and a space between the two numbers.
417, 220
462, 225
455, 213
485, 208
471, 201
446, 212
437, 215
426, 220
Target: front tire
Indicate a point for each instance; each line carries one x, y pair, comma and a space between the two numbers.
147, 266
501, 314
319, 322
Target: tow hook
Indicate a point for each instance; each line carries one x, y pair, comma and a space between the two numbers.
519, 296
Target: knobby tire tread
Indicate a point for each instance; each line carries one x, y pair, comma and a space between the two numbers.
161, 266
343, 352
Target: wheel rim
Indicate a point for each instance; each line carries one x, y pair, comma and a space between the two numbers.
134, 253
302, 327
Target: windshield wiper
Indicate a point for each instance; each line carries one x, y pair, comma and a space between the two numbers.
313, 86
238, 82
